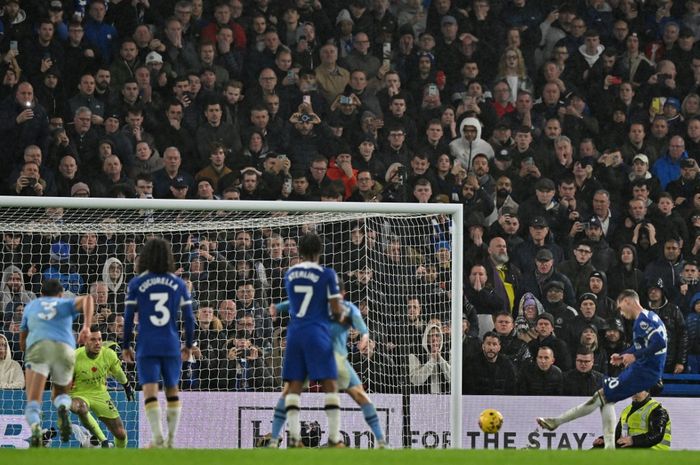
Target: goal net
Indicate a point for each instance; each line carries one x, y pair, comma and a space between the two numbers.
397, 262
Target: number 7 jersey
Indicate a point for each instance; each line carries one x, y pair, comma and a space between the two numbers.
310, 286
158, 299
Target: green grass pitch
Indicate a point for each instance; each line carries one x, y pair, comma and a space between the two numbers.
343, 457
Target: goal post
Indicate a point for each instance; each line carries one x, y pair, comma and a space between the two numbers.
53, 229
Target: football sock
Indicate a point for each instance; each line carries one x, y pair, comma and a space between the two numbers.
153, 415
91, 424
173, 415
291, 406
579, 411
278, 419
332, 407
32, 412
370, 413
609, 423
62, 400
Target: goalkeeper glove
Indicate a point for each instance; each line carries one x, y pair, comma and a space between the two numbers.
128, 391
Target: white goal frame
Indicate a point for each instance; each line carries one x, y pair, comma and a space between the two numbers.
454, 210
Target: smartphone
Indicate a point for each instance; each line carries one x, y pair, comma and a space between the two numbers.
13, 45
386, 53
345, 100
291, 75
432, 90
281, 156
307, 100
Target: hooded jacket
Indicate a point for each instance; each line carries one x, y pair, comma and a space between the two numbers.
11, 376
9, 299
427, 375
620, 278
116, 289
463, 150
677, 347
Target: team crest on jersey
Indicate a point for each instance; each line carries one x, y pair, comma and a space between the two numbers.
644, 325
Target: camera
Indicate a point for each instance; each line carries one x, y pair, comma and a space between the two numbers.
400, 174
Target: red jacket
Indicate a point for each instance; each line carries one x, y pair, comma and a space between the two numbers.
334, 173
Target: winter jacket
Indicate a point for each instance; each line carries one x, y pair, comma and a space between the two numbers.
9, 298
482, 377
117, 290
426, 375
463, 150
11, 375
582, 384
534, 382
677, 348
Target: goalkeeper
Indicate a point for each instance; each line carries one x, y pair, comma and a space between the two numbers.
348, 380
93, 363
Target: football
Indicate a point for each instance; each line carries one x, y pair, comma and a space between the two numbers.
490, 420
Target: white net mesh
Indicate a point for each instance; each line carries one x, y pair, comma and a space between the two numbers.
396, 268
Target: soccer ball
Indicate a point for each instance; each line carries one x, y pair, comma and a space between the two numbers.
490, 420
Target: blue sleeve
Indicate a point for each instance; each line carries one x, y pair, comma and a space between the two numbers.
282, 307
188, 316
357, 322
333, 288
130, 308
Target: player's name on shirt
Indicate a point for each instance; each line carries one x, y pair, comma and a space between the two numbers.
158, 280
302, 274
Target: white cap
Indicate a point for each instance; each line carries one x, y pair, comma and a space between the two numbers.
154, 57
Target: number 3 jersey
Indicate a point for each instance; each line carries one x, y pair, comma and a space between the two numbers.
50, 318
158, 300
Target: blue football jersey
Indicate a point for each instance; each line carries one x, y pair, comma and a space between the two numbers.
649, 342
309, 288
158, 299
50, 318
339, 332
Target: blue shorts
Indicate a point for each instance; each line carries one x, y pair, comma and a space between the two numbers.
309, 356
150, 370
630, 382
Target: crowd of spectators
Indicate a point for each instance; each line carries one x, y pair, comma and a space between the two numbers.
569, 131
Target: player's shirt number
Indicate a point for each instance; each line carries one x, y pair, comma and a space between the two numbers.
160, 298
308, 292
48, 310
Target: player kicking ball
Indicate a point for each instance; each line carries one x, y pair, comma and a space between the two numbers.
93, 363
312, 290
644, 364
348, 380
47, 340
158, 296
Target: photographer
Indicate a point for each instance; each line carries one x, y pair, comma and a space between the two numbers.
29, 181
395, 189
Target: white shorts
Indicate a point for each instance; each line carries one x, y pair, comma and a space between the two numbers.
52, 358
